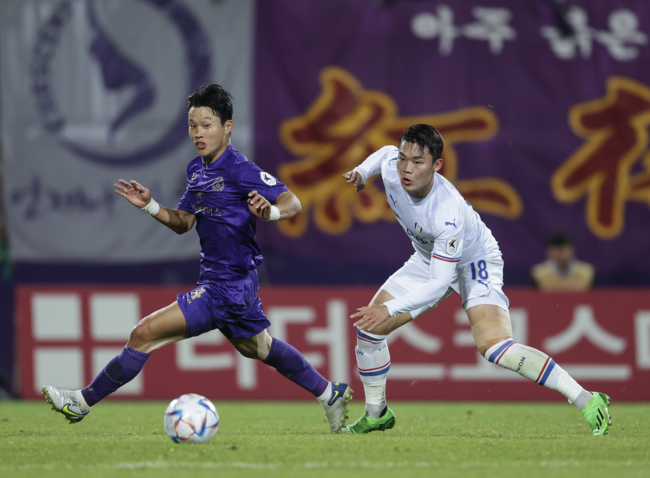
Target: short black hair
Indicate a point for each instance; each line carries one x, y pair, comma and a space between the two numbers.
426, 137
558, 239
214, 97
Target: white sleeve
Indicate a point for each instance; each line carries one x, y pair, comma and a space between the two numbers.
450, 232
440, 275
446, 253
372, 164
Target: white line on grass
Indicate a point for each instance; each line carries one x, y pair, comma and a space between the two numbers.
337, 464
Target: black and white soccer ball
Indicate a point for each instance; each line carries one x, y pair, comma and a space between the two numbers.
191, 418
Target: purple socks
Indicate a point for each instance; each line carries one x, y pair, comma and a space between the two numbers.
119, 371
290, 363
124, 367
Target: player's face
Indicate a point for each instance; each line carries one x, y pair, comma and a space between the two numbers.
416, 169
209, 136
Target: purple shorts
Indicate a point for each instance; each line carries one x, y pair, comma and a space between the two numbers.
232, 307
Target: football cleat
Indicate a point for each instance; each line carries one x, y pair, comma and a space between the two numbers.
367, 424
597, 414
66, 402
336, 408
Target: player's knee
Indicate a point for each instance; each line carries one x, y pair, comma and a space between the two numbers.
251, 354
487, 345
140, 335
248, 349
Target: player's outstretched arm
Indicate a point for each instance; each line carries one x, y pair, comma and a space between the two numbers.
177, 220
355, 178
287, 205
371, 166
441, 273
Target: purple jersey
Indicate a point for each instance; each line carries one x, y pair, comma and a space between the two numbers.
217, 195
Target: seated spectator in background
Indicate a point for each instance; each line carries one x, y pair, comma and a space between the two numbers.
562, 271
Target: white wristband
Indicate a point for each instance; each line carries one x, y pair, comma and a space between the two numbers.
152, 208
275, 213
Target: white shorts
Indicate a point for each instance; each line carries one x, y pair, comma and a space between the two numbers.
478, 283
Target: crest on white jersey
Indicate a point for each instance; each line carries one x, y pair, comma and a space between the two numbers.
268, 179
452, 245
419, 226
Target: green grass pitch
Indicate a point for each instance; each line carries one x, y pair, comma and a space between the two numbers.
280, 439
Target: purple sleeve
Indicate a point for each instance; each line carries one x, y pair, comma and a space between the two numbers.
252, 178
184, 203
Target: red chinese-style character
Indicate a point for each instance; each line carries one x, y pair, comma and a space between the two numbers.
344, 125
615, 133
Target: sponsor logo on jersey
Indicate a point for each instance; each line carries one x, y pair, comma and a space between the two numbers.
452, 245
218, 184
451, 223
268, 179
194, 176
206, 210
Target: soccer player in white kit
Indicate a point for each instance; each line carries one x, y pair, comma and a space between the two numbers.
454, 251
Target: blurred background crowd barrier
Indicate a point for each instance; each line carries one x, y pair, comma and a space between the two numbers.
544, 107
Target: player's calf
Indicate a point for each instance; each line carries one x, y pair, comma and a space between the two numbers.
535, 366
118, 372
373, 362
542, 369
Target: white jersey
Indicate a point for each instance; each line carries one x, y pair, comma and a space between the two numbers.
442, 225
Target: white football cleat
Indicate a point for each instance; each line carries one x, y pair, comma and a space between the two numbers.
68, 402
336, 408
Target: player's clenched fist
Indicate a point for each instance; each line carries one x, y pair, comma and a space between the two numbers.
259, 205
355, 179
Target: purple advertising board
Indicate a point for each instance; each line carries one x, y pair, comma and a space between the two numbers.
544, 114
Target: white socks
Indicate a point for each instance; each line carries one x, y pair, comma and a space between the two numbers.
373, 361
327, 394
538, 367
375, 398
82, 401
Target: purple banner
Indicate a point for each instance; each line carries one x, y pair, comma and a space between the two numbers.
544, 113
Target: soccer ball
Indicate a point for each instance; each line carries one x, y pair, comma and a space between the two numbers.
191, 418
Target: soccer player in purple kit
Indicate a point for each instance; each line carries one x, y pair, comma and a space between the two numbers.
225, 195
